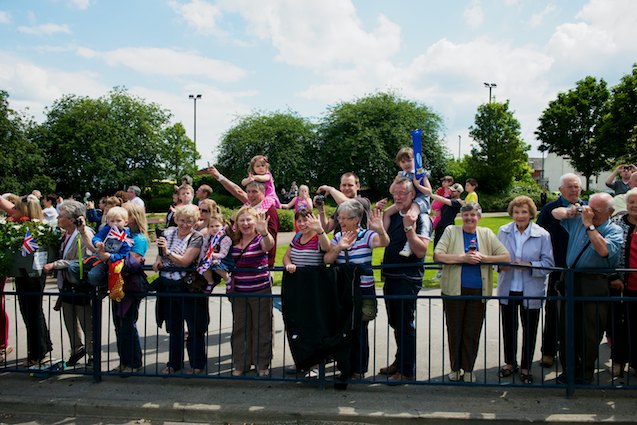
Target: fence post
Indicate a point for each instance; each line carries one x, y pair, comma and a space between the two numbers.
570, 331
97, 334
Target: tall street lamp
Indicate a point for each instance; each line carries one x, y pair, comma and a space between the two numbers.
490, 86
194, 99
459, 141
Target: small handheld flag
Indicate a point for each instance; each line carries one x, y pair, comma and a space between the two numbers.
29, 245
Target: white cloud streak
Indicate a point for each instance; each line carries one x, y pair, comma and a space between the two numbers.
45, 29
473, 14
168, 62
200, 15
537, 18
5, 18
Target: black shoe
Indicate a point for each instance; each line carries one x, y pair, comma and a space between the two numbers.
562, 379
76, 357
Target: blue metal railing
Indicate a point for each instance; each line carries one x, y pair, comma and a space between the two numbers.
432, 363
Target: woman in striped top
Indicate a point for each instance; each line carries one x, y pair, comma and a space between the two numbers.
252, 316
354, 244
309, 244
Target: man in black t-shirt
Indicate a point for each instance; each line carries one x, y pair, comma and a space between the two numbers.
404, 281
350, 185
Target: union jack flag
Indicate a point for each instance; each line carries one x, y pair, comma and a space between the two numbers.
29, 246
119, 234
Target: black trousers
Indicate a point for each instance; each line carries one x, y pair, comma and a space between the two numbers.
30, 296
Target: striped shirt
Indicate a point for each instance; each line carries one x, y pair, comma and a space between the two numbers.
179, 246
306, 254
251, 257
360, 253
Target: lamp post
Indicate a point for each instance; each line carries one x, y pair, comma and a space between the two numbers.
490, 86
195, 98
459, 140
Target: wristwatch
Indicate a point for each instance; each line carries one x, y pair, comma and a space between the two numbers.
408, 228
590, 228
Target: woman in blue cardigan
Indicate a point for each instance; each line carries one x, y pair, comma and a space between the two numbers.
528, 245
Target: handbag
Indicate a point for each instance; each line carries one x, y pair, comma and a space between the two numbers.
195, 282
369, 306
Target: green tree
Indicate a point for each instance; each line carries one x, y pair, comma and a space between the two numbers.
104, 144
500, 155
22, 164
364, 136
570, 127
286, 139
619, 125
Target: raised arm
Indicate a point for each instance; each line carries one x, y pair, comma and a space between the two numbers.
234, 189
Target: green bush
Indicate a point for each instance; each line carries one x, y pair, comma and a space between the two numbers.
286, 220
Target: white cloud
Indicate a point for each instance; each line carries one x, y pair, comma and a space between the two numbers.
167, 62
538, 18
200, 15
35, 87
603, 28
5, 18
473, 14
80, 4
317, 34
45, 29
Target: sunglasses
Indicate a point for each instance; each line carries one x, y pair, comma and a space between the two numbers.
204, 211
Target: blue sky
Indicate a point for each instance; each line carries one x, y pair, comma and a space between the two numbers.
304, 55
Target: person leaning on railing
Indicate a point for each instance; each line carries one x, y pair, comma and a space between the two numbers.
251, 315
528, 244
75, 301
354, 244
593, 243
622, 331
180, 247
466, 252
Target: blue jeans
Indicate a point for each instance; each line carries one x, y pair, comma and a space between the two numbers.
128, 345
98, 275
400, 315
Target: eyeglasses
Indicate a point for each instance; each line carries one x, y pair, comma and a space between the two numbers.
403, 193
346, 218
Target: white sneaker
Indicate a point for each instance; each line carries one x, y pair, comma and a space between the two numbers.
455, 375
468, 377
406, 251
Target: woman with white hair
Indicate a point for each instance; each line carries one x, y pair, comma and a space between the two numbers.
354, 244
75, 301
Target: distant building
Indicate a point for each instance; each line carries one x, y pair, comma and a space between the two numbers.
548, 170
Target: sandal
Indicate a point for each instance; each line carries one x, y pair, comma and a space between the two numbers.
505, 371
526, 378
4, 352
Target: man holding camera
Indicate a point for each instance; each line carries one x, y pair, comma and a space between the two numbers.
350, 185
621, 185
594, 243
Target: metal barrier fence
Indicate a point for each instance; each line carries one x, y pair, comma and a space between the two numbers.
432, 361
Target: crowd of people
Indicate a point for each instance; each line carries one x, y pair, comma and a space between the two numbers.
104, 247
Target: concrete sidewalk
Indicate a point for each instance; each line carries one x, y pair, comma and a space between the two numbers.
229, 401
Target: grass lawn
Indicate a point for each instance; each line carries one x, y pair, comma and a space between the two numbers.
430, 280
